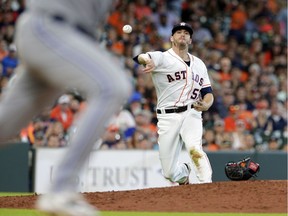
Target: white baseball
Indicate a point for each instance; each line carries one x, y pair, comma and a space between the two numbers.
127, 29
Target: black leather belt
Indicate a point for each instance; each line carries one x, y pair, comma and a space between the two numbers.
174, 110
78, 27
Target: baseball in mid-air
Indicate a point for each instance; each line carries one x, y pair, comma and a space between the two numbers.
127, 29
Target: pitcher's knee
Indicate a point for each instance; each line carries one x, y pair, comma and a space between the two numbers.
196, 155
203, 169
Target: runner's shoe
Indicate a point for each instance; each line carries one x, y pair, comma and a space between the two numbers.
65, 204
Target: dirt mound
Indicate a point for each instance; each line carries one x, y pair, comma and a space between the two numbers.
245, 196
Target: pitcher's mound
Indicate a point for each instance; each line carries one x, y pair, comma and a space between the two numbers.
257, 196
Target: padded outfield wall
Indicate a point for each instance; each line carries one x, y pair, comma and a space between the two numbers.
24, 170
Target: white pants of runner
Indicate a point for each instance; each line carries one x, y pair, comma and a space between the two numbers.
176, 129
57, 57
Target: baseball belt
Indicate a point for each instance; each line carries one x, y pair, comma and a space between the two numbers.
174, 110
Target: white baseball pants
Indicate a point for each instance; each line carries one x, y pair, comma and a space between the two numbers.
176, 129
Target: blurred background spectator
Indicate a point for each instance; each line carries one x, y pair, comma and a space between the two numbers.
62, 112
9, 62
242, 42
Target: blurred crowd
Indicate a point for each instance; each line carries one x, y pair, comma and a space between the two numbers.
242, 42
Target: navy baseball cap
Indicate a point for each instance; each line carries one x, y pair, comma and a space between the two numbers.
183, 25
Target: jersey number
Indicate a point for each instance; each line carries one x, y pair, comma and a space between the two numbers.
195, 93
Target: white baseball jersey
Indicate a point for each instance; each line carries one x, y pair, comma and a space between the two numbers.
176, 83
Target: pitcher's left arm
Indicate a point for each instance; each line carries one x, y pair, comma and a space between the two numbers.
207, 100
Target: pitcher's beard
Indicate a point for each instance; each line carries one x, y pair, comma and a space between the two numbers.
180, 46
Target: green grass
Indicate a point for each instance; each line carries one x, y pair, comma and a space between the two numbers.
182, 214
14, 194
19, 212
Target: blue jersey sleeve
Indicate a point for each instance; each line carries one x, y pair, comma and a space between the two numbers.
205, 91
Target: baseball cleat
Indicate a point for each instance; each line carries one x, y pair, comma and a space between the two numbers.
65, 204
186, 182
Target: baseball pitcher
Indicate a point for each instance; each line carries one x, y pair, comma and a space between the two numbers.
183, 91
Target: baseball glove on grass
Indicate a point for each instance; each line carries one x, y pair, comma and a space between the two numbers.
241, 170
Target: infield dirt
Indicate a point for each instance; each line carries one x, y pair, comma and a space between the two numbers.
254, 196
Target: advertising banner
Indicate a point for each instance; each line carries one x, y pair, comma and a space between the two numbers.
106, 170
